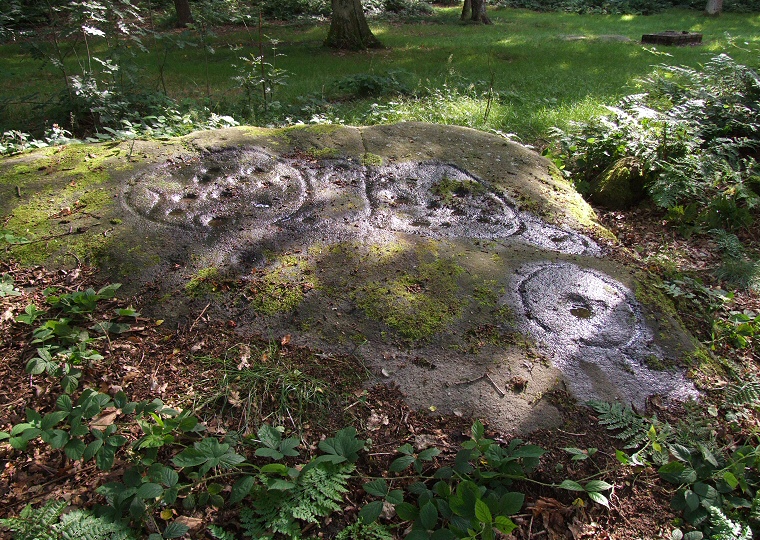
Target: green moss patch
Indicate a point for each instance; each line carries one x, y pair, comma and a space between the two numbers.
371, 160
281, 287
417, 304
205, 281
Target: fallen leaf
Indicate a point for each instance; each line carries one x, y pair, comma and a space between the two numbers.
233, 398
376, 420
104, 419
190, 522
245, 354
285, 340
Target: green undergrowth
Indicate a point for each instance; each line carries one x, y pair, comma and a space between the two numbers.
163, 461
524, 74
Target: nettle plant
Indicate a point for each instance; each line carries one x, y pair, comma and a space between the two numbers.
471, 498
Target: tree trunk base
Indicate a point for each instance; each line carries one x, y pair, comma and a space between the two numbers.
349, 29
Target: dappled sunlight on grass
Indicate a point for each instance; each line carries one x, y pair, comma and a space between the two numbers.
547, 68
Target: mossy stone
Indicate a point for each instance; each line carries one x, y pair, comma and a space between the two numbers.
621, 185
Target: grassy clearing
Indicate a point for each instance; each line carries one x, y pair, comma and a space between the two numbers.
547, 69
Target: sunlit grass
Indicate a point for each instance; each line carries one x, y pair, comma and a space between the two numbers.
546, 68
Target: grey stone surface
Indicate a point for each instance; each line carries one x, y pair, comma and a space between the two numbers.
452, 261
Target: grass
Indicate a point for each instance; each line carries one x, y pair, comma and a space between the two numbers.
547, 69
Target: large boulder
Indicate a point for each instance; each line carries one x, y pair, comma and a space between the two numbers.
461, 266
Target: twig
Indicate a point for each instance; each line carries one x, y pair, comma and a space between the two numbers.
496, 386
18, 192
476, 379
530, 527
199, 317
569, 433
484, 376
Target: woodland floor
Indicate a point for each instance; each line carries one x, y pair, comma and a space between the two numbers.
152, 361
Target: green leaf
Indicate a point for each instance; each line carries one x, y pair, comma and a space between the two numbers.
622, 457
277, 468
56, 438
444, 473
396, 496
570, 485
691, 499
511, 503
598, 498
175, 530
504, 524
598, 485
680, 452
105, 457
428, 454
149, 490
165, 475
730, 479
442, 534
370, 512
407, 511
36, 366
378, 488
677, 473
344, 444
92, 449
401, 463
529, 451
269, 436
269, 453
482, 512
190, 457
74, 449
428, 515
288, 446
241, 489
64, 403
477, 430
52, 419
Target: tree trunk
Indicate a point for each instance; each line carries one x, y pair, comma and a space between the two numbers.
184, 15
479, 12
714, 8
466, 10
349, 28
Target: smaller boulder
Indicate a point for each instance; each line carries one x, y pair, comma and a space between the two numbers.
620, 186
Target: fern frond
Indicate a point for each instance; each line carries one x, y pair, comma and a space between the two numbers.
361, 531
317, 494
36, 524
724, 528
81, 525
50, 523
744, 394
220, 534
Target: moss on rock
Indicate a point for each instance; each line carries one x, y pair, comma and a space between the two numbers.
621, 185
416, 304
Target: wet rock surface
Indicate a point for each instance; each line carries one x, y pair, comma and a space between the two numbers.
458, 265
